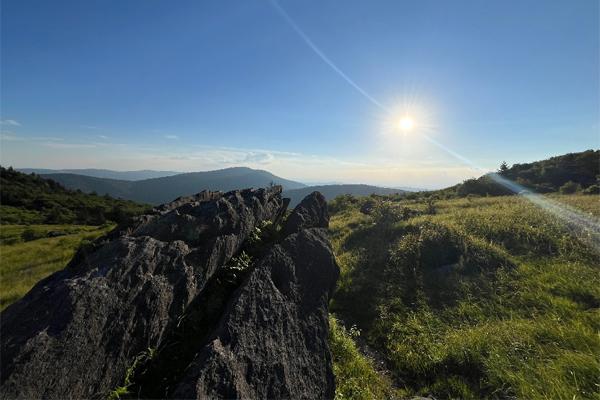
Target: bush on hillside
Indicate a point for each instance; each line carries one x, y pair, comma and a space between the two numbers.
341, 203
29, 234
484, 186
594, 189
570, 188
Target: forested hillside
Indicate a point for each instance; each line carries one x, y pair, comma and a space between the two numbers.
31, 199
569, 173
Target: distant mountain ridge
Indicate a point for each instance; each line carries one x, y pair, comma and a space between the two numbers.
103, 173
164, 189
332, 191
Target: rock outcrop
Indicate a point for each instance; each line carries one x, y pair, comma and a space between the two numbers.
207, 297
310, 213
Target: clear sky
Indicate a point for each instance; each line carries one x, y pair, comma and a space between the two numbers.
198, 85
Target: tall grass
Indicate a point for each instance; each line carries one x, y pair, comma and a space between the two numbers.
356, 377
474, 298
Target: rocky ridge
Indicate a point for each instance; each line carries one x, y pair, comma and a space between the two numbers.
215, 295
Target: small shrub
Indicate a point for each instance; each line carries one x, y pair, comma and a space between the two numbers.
570, 188
29, 235
594, 189
341, 203
385, 214
430, 207
238, 265
367, 207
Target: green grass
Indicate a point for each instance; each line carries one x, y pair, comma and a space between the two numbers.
23, 264
15, 215
13, 234
356, 377
476, 298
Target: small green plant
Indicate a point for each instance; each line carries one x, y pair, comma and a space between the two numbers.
261, 238
123, 391
239, 264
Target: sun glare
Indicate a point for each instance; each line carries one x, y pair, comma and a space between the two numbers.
406, 123
407, 120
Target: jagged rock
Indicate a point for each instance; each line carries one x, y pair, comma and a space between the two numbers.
272, 341
75, 333
311, 212
167, 282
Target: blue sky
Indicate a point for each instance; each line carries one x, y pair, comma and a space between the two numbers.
197, 85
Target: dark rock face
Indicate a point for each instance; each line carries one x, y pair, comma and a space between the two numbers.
287, 294
311, 212
171, 282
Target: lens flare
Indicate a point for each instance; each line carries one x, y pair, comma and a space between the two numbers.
584, 227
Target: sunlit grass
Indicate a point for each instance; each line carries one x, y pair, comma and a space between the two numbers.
433, 293
23, 264
356, 377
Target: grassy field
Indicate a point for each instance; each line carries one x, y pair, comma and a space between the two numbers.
468, 298
27, 254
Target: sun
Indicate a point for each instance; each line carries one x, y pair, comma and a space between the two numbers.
406, 123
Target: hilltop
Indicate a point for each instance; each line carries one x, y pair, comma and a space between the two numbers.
465, 298
568, 173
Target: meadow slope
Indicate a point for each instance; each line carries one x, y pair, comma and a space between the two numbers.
467, 298
485, 297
